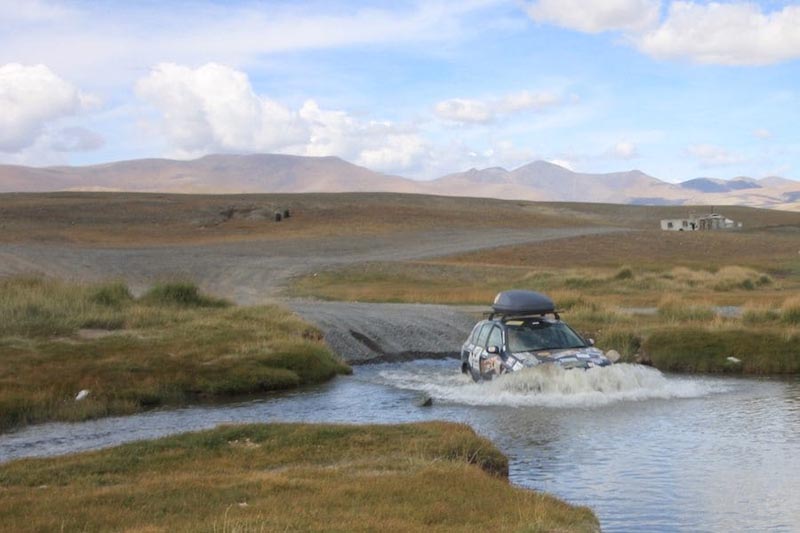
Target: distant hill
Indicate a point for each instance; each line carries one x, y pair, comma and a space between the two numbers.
210, 174
261, 173
541, 180
717, 185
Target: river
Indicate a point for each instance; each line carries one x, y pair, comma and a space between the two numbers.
646, 451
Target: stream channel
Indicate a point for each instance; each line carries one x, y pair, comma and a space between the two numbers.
646, 451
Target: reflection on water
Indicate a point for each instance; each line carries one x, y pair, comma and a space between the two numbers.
645, 451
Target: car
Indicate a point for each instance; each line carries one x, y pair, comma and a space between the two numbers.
524, 330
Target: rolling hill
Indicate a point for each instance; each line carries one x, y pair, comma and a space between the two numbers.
275, 173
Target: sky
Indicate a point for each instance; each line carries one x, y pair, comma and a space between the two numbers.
677, 89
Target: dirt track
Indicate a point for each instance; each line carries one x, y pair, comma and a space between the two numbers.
254, 272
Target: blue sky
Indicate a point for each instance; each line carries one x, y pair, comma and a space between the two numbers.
677, 89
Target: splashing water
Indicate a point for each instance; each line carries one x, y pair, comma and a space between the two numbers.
549, 385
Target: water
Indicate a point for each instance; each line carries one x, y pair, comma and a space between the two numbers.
646, 452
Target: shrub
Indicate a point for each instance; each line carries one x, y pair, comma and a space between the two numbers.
111, 294
624, 273
181, 294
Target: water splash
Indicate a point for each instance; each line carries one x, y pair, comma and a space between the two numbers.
549, 385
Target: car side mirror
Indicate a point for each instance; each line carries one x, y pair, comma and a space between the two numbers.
493, 350
590, 341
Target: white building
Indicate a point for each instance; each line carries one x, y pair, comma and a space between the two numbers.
713, 221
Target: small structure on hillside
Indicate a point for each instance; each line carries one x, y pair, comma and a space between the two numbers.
710, 222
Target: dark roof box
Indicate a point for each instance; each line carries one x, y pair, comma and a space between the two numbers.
519, 302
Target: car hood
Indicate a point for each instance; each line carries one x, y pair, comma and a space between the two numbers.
567, 356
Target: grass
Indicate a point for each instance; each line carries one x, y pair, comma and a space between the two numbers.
790, 311
759, 249
698, 349
443, 283
172, 346
284, 477
684, 337
674, 309
180, 294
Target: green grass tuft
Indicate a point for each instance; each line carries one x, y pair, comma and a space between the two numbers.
624, 273
181, 294
114, 294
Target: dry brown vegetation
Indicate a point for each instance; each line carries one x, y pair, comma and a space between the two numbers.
652, 249
461, 283
138, 218
284, 477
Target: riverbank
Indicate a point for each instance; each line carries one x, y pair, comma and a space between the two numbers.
731, 319
433, 476
73, 352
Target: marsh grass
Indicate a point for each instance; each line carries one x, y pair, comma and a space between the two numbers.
624, 339
790, 310
703, 349
676, 309
284, 477
142, 354
760, 313
443, 283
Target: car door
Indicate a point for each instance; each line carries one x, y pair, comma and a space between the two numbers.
490, 362
469, 344
479, 347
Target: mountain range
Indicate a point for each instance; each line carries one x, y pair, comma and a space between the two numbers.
276, 173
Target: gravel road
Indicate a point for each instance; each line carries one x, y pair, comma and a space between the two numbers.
254, 272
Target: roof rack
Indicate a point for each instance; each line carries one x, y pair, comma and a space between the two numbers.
491, 315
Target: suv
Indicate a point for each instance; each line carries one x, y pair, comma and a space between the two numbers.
524, 330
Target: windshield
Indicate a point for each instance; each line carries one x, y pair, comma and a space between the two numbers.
534, 336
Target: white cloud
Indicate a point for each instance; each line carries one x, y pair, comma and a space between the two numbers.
464, 110
729, 33
524, 101
92, 43
595, 16
31, 98
381, 145
709, 155
214, 108
726, 34
483, 111
762, 133
624, 150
